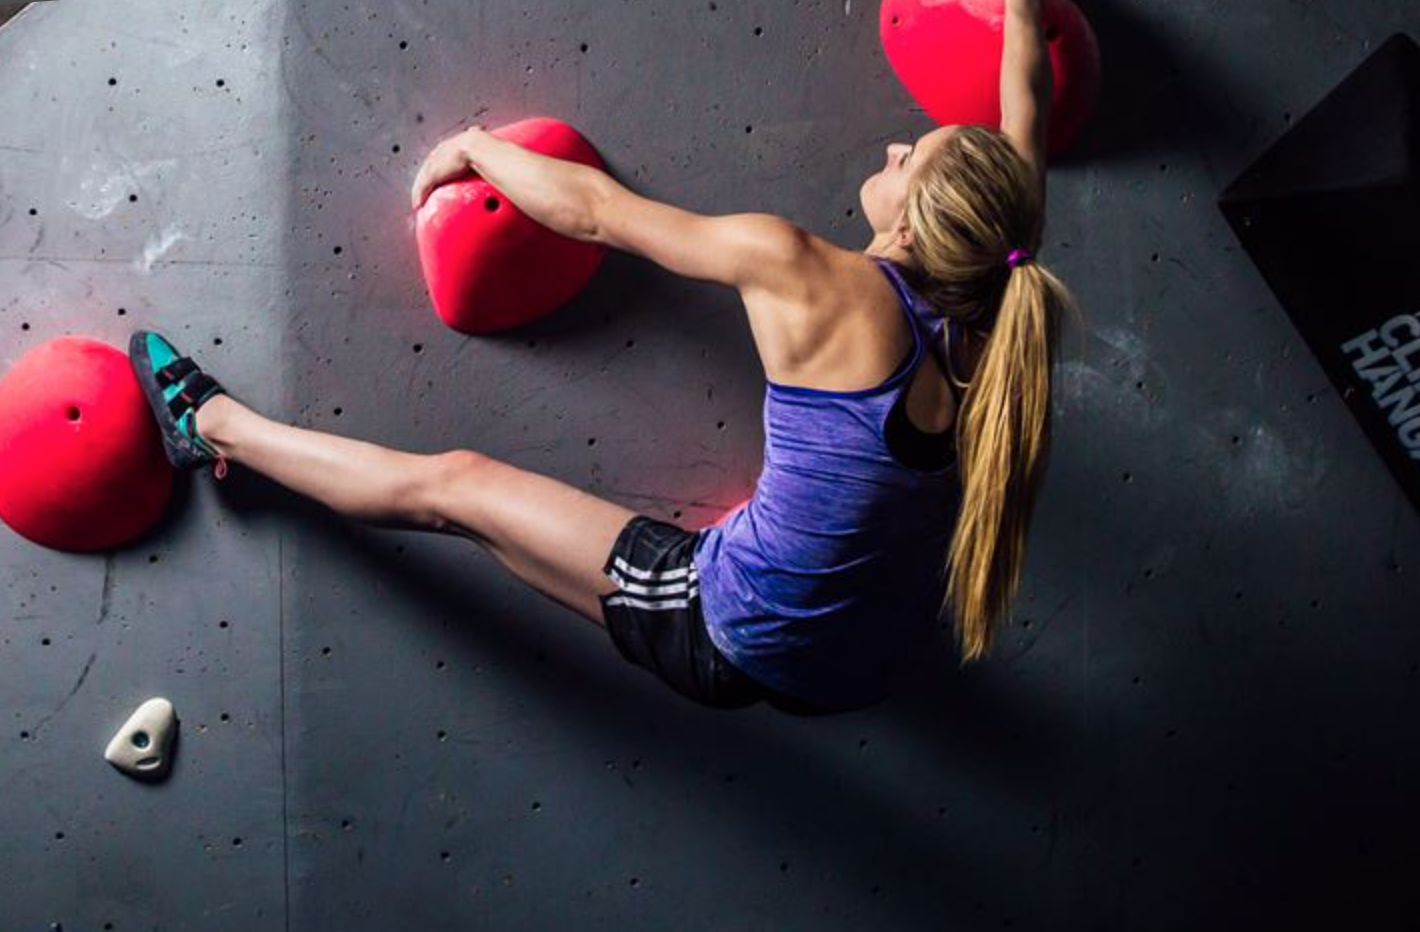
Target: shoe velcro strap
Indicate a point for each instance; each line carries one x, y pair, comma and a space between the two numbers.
196, 388
175, 371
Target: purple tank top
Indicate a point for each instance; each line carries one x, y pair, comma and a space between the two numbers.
826, 584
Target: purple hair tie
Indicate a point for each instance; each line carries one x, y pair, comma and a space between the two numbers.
1019, 257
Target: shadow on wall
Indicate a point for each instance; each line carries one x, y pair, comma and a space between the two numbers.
1151, 101
1226, 773
602, 702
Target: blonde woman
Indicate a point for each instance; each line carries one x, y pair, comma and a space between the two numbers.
907, 413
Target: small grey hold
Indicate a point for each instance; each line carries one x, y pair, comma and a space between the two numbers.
143, 746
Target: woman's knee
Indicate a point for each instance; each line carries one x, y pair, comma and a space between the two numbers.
448, 499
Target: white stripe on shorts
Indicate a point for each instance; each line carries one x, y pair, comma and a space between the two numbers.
665, 575
637, 589
662, 605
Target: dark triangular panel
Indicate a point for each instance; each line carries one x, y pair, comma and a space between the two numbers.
1362, 134
1331, 216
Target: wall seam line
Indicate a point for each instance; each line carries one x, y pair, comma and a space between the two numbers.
281, 666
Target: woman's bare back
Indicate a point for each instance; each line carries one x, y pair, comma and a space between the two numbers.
848, 332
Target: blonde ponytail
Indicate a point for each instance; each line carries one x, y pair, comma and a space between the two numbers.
969, 212
1003, 444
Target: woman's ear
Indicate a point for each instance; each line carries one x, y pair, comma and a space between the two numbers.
904, 235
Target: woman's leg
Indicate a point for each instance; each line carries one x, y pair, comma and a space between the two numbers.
549, 534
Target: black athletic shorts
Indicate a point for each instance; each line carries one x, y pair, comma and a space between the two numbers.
654, 619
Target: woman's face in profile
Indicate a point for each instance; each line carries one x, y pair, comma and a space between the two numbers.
884, 195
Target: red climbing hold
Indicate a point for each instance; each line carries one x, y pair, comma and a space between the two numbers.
489, 266
947, 53
81, 460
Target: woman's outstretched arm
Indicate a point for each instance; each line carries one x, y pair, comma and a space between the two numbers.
554, 192
1026, 82
749, 252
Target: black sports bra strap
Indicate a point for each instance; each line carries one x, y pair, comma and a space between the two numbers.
928, 333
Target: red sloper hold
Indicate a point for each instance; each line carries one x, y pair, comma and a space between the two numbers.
947, 53
489, 266
81, 460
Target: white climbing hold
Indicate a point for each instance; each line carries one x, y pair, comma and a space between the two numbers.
143, 746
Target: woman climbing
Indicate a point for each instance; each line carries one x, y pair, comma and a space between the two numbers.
907, 422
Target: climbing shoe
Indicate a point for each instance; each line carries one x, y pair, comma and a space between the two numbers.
175, 388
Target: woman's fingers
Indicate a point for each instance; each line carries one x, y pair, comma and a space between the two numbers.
427, 179
420, 190
445, 163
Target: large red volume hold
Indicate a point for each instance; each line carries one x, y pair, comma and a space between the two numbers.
81, 460
947, 53
489, 266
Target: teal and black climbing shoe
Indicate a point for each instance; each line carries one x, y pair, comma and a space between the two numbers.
175, 388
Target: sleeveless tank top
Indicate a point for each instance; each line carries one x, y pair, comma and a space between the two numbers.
825, 586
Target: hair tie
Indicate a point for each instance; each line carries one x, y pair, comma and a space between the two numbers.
1019, 257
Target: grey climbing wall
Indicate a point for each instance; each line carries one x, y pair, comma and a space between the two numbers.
137, 153
1201, 715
